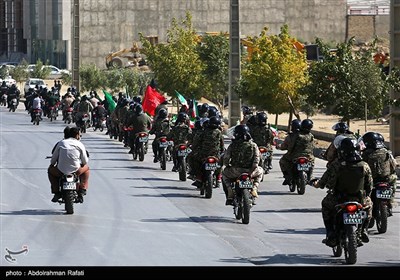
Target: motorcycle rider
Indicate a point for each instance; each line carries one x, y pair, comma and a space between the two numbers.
298, 144
161, 127
193, 140
381, 161
341, 128
84, 108
241, 156
210, 143
69, 157
262, 134
348, 178
99, 112
140, 122
180, 133
37, 103
247, 114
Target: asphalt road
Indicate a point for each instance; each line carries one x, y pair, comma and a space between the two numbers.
135, 214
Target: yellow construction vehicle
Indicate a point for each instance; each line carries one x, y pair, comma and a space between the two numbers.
125, 58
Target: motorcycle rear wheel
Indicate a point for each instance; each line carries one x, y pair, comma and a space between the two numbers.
69, 201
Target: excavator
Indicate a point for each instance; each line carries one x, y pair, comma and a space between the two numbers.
129, 57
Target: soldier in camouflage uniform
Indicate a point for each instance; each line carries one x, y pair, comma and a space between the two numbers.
247, 114
341, 128
180, 134
262, 135
193, 140
210, 143
348, 178
161, 127
121, 112
302, 145
381, 162
241, 156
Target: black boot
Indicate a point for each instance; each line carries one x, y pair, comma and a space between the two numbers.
330, 239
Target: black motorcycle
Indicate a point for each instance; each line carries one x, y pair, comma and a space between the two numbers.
380, 196
243, 200
209, 180
301, 173
69, 192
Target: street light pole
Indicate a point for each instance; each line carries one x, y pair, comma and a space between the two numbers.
234, 63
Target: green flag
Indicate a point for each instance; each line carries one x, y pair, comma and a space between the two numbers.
181, 99
110, 101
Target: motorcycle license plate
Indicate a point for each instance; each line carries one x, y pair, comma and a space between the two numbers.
384, 194
69, 186
246, 184
354, 218
211, 166
182, 153
263, 155
163, 144
144, 139
303, 166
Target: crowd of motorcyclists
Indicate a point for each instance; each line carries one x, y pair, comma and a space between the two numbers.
353, 165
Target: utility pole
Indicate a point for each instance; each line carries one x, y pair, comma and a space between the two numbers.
395, 62
75, 44
234, 63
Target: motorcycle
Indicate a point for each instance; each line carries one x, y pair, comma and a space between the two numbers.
209, 180
162, 152
3, 100
69, 192
301, 174
13, 105
37, 116
266, 159
349, 217
99, 123
380, 196
68, 115
243, 200
83, 122
141, 145
53, 113
182, 152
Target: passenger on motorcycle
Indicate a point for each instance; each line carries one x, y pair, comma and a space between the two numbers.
69, 156
209, 143
37, 103
381, 161
262, 133
247, 114
241, 156
161, 127
180, 134
341, 128
299, 144
348, 178
140, 122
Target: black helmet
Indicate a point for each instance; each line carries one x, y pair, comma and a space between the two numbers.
137, 99
262, 118
246, 110
340, 127
182, 117
138, 109
348, 150
214, 122
212, 111
306, 125
162, 113
372, 140
296, 123
241, 131
198, 125
204, 108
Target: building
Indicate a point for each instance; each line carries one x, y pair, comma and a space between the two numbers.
43, 29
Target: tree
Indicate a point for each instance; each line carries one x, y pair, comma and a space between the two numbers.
348, 82
177, 64
273, 76
214, 52
91, 77
20, 73
39, 71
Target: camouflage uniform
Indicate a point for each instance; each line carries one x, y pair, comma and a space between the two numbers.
331, 154
263, 136
347, 181
297, 145
383, 166
210, 143
161, 127
194, 141
240, 156
180, 134
140, 123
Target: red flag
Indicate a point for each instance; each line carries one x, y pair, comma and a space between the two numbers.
151, 100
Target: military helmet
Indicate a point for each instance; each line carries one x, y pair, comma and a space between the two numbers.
340, 127
241, 131
296, 123
306, 125
348, 150
373, 140
182, 117
138, 109
214, 122
262, 118
162, 113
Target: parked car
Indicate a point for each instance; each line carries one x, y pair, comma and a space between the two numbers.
32, 83
55, 73
9, 81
